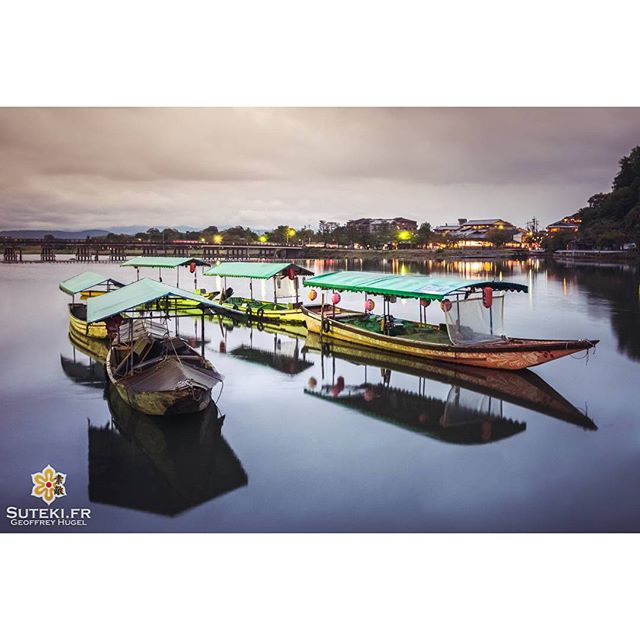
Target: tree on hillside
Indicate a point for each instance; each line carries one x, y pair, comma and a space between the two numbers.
610, 219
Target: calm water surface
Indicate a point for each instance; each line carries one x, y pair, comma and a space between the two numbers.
329, 438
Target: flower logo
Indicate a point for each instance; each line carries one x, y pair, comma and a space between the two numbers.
48, 484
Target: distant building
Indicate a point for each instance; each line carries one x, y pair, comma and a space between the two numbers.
476, 233
568, 223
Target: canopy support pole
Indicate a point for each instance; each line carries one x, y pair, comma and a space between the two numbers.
160, 274
177, 276
202, 334
275, 291
251, 288
137, 273
297, 290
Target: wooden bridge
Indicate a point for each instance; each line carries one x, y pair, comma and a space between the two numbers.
46, 251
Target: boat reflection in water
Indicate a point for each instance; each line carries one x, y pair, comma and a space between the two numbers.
158, 464
472, 412
163, 465
288, 356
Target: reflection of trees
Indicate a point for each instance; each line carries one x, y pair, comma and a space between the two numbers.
619, 286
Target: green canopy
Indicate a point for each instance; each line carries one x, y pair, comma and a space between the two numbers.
136, 294
162, 262
85, 281
407, 286
260, 270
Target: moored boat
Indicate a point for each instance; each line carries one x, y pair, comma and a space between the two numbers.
471, 334
87, 285
259, 310
152, 371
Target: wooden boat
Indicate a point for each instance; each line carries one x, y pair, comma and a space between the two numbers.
521, 388
153, 372
87, 285
470, 335
252, 309
186, 305
161, 376
164, 465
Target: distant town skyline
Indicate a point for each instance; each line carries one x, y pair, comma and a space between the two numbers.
262, 167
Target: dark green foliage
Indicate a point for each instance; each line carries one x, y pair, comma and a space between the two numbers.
613, 218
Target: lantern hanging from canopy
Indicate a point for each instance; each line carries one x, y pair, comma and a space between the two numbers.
335, 298
313, 294
446, 305
369, 305
424, 302
487, 297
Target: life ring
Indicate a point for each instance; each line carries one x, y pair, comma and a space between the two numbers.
326, 325
249, 322
326, 349
446, 305
260, 312
236, 308
249, 311
260, 326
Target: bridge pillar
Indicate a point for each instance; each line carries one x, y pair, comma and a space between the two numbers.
47, 254
118, 254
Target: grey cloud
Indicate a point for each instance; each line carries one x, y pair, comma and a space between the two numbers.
99, 167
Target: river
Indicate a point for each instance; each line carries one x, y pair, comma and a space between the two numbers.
328, 438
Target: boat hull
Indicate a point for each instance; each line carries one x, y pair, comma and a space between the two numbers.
164, 403
512, 354
96, 330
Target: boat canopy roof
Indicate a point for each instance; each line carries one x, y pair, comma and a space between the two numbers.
404, 286
85, 281
162, 262
260, 270
136, 294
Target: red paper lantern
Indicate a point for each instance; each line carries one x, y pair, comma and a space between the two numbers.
487, 297
313, 294
335, 298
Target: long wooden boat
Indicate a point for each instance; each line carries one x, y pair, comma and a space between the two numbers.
252, 309
155, 374
455, 341
87, 285
186, 305
161, 376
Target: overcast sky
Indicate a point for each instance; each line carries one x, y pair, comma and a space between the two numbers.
97, 168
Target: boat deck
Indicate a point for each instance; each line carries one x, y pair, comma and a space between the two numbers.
402, 328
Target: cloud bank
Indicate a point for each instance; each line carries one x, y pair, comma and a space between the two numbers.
87, 168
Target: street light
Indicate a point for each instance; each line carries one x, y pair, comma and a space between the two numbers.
217, 239
404, 235
262, 238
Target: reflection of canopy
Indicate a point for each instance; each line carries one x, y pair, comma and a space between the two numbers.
522, 388
86, 281
281, 361
162, 262
422, 414
90, 374
407, 286
160, 465
137, 294
259, 270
